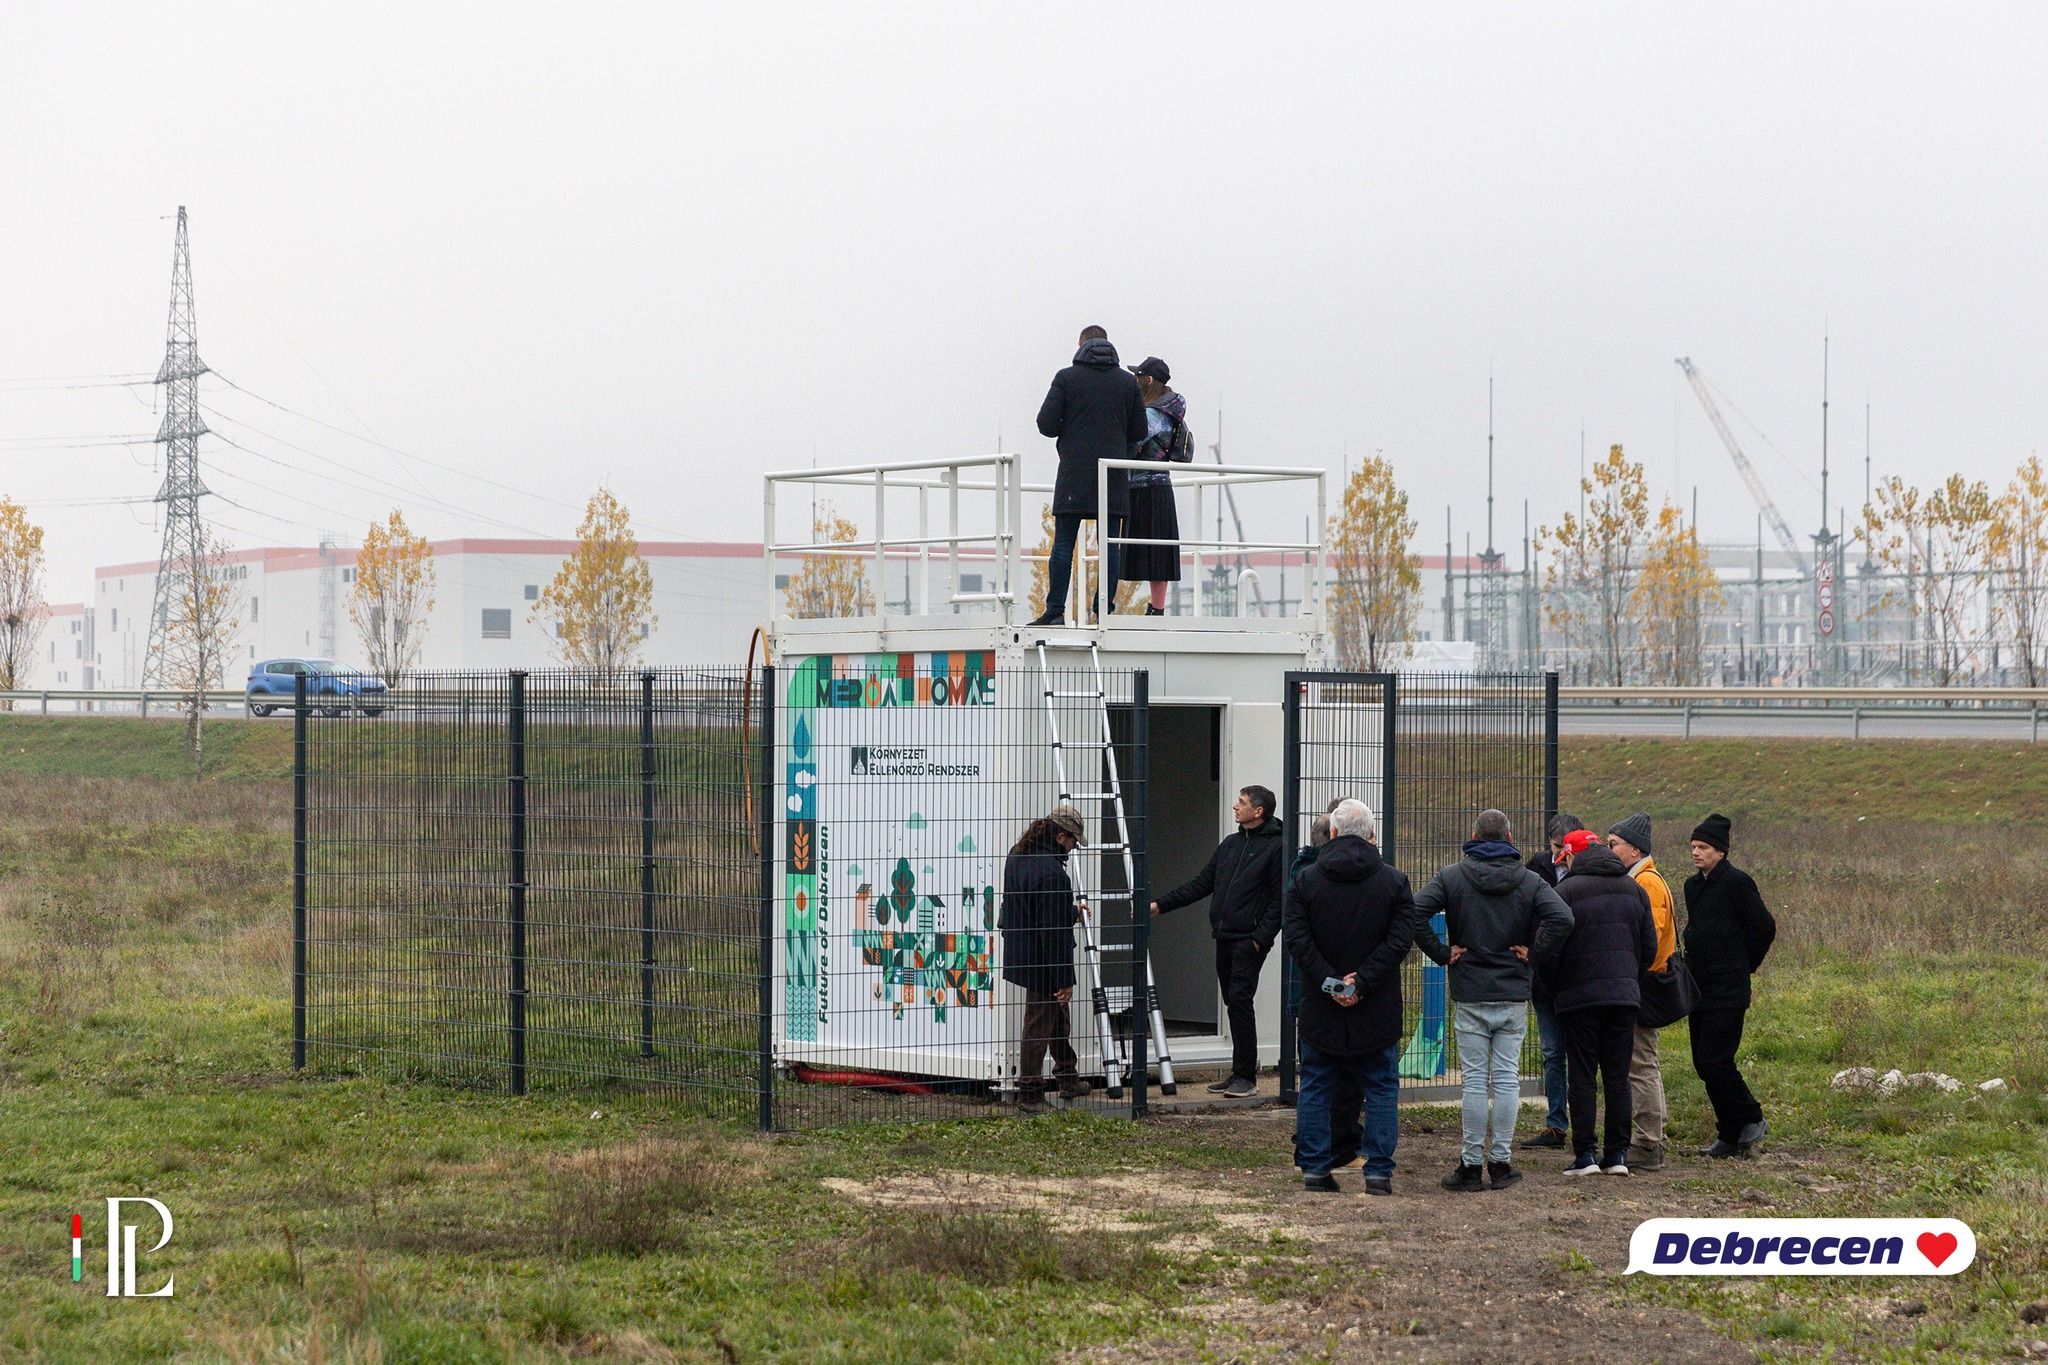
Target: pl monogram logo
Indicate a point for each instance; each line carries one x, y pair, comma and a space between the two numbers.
121, 1250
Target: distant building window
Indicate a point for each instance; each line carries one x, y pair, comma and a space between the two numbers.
252, 611
116, 614
970, 582
645, 630
533, 592
497, 623
781, 582
348, 575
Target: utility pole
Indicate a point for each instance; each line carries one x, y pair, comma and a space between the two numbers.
1450, 602
1493, 596
174, 656
1824, 548
327, 595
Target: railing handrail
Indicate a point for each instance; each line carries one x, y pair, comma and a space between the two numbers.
2035, 695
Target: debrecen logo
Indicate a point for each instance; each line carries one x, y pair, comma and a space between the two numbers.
1801, 1246
121, 1252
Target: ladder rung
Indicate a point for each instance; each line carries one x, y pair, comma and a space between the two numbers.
1091, 796
1101, 848
1110, 896
1090, 696
1080, 744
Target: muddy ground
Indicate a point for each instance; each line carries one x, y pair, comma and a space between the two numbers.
1528, 1273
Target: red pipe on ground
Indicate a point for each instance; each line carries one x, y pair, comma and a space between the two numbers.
874, 1079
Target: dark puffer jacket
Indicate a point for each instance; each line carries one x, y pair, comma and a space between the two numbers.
1095, 412
1242, 879
1351, 912
1038, 919
1613, 939
1728, 930
1491, 903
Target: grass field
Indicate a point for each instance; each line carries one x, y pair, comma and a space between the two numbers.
144, 1027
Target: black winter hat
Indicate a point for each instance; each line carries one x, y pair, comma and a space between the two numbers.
1636, 830
1713, 830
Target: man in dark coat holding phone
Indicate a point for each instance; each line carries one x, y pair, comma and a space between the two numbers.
1349, 922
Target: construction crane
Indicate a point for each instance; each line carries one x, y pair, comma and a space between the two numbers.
1747, 470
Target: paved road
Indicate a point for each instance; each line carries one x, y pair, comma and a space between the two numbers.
1804, 724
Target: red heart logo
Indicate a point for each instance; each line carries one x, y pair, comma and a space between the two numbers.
1937, 1247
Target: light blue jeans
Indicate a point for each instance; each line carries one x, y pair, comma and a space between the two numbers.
1490, 1053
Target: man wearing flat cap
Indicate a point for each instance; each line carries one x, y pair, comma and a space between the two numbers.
1728, 929
1038, 918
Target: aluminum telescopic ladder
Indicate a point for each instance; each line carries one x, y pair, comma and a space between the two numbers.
1115, 1061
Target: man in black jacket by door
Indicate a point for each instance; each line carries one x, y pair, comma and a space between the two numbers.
1350, 921
1728, 929
1095, 411
1243, 880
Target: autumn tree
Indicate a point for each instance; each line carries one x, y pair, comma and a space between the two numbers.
2019, 563
392, 596
1081, 585
1673, 594
200, 621
1589, 585
831, 583
22, 608
1937, 545
1374, 584
599, 606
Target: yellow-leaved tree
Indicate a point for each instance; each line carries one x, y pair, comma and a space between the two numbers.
22, 608
392, 596
1673, 594
1938, 545
200, 622
2019, 559
1081, 582
1589, 585
1374, 584
829, 585
599, 606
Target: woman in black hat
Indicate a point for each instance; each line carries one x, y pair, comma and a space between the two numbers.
1167, 440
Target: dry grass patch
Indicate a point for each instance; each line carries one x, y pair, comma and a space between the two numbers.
634, 1198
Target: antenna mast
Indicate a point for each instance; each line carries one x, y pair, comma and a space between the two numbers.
175, 652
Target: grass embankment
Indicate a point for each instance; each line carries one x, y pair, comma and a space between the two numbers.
144, 1023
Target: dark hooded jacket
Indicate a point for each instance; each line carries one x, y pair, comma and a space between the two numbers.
1037, 919
1095, 412
1728, 929
1242, 880
1491, 903
1351, 912
1613, 939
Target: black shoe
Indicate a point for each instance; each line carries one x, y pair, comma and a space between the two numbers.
1379, 1184
1240, 1087
1585, 1163
1615, 1162
1465, 1179
1074, 1088
1721, 1149
1218, 1087
1548, 1137
1155, 611
1320, 1184
1752, 1134
1501, 1174
1051, 618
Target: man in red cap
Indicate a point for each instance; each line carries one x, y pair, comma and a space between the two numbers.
1596, 988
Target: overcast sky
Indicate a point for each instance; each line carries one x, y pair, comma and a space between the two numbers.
672, 246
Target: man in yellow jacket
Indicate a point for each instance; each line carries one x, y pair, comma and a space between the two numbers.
1630, 841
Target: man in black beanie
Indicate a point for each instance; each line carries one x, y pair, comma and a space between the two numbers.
1728, 930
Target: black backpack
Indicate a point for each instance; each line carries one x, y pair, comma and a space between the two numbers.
1180, 447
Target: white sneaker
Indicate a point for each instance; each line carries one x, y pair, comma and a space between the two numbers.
1615, 1163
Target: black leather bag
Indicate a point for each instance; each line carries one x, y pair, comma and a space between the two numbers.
1669, 995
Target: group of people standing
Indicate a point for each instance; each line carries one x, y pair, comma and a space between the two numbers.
1584, 934
1098, 410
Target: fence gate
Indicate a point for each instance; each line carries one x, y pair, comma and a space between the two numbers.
1427, 752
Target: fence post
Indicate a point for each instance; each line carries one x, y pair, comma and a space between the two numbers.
1856, 722
764, 815
1688, 720
646, 864
2035, 737
1549, 751
1136, 811
1390, 766
299, 873
1290, 802
515, 735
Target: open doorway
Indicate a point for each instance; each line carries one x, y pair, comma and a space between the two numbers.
1186, 759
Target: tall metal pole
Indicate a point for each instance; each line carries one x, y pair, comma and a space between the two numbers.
299, 872
515, 738
1290, 801
1139, 832
764, 808
177, 648
646, 864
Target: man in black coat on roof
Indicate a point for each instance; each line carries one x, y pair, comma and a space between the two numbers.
1095, 412
1596, 990
1243, 880
1728, 929
1350, 921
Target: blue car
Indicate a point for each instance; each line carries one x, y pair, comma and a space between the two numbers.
339, 687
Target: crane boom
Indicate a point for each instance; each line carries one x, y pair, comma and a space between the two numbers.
1746, 469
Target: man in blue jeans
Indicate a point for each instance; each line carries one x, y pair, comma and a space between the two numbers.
1549, 1032
1348, 924
1501, 921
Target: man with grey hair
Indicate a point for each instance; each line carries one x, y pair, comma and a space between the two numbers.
1348, 924
1501, 919
1344, 1096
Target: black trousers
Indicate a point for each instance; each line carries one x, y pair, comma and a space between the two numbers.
1601, 1039
1238, 961
1716, 1034
1046, 1028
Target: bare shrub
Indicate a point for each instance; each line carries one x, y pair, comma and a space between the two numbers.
634, 1198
